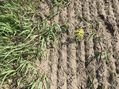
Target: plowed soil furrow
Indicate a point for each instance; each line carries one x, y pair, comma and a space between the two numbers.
115, 6
116, 37
90, 60
89, 55
71, 50
93, 8
62, 67
62, 62
80, 49
102, 68
90, 63
54, 57
111, 19
53, 68
100, 8
116, 11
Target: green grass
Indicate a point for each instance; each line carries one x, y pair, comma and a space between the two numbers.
23, 40
59, 2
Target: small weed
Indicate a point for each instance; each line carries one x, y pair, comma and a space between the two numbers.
59, 2
90, 83
91, 35
79, 33
104, 52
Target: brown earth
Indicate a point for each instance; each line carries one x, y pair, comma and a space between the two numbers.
88, 64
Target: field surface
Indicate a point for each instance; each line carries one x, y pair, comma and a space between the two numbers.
88, 63
92, 63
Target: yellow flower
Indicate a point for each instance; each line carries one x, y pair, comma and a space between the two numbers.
79, 33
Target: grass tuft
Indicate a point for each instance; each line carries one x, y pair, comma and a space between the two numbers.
23, 40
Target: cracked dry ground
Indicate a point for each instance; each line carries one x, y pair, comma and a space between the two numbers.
88, 64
